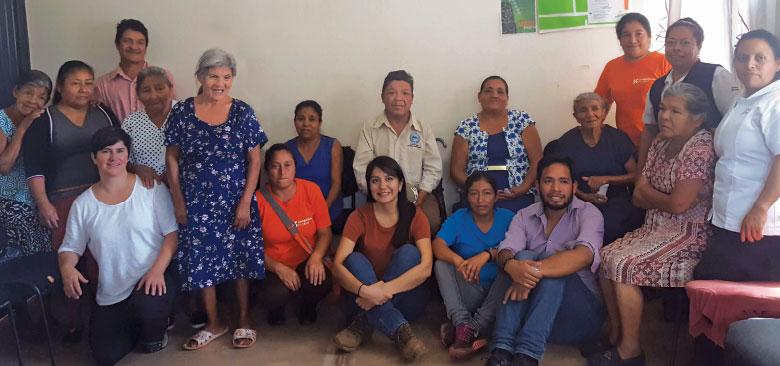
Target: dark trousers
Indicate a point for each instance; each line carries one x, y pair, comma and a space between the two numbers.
276, 294
115, 329
727, 258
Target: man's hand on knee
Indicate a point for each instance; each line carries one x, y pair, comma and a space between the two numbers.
516, 292
524, 272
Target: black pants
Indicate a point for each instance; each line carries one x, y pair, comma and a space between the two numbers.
727, 258
276, 294
115, 329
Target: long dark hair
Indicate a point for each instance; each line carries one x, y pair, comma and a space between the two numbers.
406, 209
66, 69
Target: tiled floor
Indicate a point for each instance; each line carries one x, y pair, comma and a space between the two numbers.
293, 344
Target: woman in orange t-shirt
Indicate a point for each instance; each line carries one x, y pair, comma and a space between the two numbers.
382, 260
627, 78
294, 263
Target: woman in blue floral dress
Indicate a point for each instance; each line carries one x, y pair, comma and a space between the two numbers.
213, 161
504, 142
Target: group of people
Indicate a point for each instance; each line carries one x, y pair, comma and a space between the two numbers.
145, 197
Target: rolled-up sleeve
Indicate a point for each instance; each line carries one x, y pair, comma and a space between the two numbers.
590, 225
515, 239
363, 155
432, 165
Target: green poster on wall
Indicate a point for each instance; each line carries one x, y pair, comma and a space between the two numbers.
555, 15
518, 16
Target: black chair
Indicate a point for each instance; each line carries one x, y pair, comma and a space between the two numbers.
438, 192
22, 279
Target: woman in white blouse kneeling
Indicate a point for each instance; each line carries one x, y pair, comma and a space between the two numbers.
132, 232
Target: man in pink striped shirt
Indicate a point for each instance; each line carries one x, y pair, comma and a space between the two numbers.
116, 89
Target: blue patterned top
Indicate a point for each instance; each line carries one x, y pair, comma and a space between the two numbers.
517, 163
14, 185
212, 173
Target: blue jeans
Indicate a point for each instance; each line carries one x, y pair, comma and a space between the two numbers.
562, 310
405, 306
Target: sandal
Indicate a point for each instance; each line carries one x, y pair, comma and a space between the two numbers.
202, 338
244, 333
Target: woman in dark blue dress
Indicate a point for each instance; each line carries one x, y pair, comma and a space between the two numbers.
318, 158
604, 165
213, 161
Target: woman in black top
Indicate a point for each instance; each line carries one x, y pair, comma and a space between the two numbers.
57, 158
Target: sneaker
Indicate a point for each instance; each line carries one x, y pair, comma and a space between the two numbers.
611, 357
152, 347
464, 343
410, 347
351, 337
499, 357
276, 316
521, 359
198, 319
446, 334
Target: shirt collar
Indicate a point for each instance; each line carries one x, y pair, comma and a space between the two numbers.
119, 73
381, 119
773, 87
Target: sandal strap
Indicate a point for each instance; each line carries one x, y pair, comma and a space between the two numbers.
203, 337
244, 333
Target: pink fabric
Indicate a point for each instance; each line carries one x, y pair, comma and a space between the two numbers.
716, 304
116, 90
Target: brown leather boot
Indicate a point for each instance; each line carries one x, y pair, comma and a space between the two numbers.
410, 347
351, 337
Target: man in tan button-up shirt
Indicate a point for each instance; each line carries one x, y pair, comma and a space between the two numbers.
398, 134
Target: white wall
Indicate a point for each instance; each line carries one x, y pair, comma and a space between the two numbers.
338, 52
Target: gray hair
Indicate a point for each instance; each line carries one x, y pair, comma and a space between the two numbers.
151, 71
34, 78
696, 101
586, 97
215, 57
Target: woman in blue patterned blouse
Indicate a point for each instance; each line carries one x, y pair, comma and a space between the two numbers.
213, 163
501, 141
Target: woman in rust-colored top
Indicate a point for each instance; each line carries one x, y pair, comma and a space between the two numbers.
382, 261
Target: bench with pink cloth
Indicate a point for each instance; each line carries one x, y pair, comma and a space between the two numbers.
716, 304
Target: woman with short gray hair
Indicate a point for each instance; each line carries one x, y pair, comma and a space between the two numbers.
213, 166
147, 126
18, 217
604, 165
676, 190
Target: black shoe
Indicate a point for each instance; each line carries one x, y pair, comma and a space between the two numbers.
521, 359
611, 357
72, 337
499, 357
171, 322
307, 314
276, 316
153, 347
198, 319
